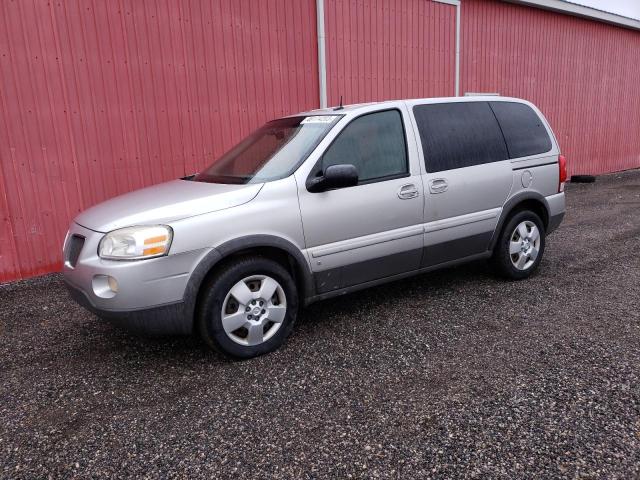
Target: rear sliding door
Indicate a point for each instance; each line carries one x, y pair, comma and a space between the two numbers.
467, 181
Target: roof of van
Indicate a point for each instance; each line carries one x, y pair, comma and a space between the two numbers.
334, 110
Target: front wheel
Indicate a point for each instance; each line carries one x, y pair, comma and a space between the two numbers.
520, 246
248, 308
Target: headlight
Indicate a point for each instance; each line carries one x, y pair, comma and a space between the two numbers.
135, 243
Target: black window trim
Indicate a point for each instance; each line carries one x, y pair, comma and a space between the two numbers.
504, 139
555, 162
386, 178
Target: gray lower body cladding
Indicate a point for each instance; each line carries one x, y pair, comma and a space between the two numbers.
361, 272
347, 278
399, 263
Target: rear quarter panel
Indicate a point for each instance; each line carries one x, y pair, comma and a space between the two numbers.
537, 173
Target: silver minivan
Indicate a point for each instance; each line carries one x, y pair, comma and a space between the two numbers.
320, 204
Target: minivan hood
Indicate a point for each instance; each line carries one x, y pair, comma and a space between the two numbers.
164, 203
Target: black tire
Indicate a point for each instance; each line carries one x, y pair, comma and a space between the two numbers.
501, 258
583, 179
209, 314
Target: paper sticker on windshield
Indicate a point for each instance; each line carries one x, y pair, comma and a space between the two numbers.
320, 119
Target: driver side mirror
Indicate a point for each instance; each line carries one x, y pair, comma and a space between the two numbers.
335, 176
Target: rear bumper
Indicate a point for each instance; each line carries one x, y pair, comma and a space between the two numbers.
556, 204
554, 222
170, 319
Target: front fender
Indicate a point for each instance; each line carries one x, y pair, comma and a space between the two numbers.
226, 249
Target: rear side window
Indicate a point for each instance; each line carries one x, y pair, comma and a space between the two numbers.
458, 135
374, 143
522, 128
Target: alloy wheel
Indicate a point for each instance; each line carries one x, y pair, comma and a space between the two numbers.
253, 310
524, 245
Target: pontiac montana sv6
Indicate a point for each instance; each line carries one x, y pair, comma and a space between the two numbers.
316, 205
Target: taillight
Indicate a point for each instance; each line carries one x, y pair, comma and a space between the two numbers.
562, 172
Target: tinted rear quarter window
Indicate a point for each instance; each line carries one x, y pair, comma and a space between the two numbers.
458, 135
523, 130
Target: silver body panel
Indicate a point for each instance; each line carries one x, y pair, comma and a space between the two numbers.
164, 203
274, 212
556, 204
346, 238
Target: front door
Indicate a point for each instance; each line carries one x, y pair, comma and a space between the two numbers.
372, 230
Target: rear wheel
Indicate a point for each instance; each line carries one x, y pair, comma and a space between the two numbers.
248, 308
520, 246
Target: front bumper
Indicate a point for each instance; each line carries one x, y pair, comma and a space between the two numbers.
150, 293
161, 320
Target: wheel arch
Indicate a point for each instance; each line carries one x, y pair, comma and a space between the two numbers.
276, 248
532, 201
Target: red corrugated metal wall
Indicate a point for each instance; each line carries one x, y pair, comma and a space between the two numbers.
583, 74
99, 98
389, 49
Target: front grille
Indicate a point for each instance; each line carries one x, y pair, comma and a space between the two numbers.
73, 249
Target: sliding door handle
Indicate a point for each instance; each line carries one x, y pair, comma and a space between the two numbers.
438, 185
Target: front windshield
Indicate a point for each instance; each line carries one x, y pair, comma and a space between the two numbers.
272, 152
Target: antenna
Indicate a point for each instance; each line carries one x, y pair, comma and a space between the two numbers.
340, 107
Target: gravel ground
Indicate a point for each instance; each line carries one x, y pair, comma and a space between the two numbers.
449, 374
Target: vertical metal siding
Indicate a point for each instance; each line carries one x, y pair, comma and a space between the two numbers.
388, 49
100, 98
582, 74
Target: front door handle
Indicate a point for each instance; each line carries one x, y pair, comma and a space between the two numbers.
408, 191
438, 185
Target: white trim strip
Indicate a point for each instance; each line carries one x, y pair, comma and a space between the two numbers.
366, 241
458, 13
580, 11
455, 3
322, 59
449, 2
